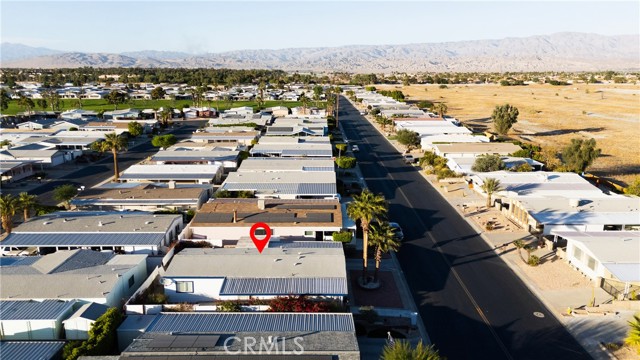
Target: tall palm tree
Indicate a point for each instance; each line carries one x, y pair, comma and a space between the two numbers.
305, 102
8, 207
366, 207
165, 115
26, 203
383, 239
114, 143
491, 186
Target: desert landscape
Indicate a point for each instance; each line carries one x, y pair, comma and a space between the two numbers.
552, 115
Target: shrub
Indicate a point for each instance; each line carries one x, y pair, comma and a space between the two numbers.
488, 163
157, 298
346, 162
342, 236
297, 304
533, 260
102, 340
229, 306
522, 168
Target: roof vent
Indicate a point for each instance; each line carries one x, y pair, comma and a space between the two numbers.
574, 202
100, 223
296, 264
148, 222
276, 260
65, 220
46, 223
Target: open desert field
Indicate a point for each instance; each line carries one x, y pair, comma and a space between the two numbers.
552, 115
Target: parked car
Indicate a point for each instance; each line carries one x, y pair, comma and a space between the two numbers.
355, 148
397, 230
409, 159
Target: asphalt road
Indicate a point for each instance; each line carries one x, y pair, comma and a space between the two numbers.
93, 174
472, 304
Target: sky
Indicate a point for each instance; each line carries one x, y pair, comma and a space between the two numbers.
219, 26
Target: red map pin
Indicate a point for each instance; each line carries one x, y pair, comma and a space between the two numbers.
260, 243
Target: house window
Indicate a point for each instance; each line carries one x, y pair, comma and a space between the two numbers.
262, 232
591, 263
184, 286
612, 227
632, 227
131, 281
308, 233
577, 253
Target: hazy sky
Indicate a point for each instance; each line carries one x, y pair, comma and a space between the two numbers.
217, 26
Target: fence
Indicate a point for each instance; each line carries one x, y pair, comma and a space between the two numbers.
620, 290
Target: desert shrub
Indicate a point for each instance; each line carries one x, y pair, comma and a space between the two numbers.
229, 306
342, 236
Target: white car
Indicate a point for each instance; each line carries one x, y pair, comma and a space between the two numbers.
355, 148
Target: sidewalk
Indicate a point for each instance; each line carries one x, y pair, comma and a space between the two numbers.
396, 296
554, 281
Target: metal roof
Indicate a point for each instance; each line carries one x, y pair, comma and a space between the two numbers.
305, 244
285, 286
89, 311
84, 239
284, 188
167, 176
251, 322
30, 350
34, 310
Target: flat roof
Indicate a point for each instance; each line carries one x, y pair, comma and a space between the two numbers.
265, 140
74, 274
272, 263
159, 195
618, 251
288, 183
475, 148
286, 164
562, 184
610, 210
290, 213
30, 350
34, 310
318, 345
96, 222
252, 322
209, 155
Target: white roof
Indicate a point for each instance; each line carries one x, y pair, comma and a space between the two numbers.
172, 169
542, 183
618, 251
286, 164
272, 262
452, 138
608, 210
293, 140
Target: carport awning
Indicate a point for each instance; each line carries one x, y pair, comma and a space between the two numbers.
624, 272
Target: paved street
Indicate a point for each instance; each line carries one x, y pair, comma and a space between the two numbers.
472, 304
93, 174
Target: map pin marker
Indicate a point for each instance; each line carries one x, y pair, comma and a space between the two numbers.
260, 243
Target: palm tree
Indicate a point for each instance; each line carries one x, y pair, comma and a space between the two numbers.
305, 102
383, 239
8, 206
519, 244
366, 207
114, 143
26, 203
166, 115
402, 350
441, 108
633, 338
490, 186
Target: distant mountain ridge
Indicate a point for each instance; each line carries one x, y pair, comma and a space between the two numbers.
556, 52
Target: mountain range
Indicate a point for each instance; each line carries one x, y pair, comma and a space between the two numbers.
556, 52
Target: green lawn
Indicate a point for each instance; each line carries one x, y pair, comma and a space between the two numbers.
98, 105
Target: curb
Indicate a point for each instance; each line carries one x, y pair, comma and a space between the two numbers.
525, 279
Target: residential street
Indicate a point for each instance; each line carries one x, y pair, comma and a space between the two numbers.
93, 174
472, 304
